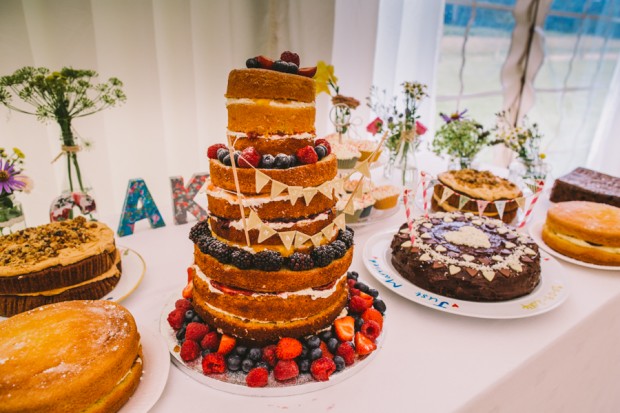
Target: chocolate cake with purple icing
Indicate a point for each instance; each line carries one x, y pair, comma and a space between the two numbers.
467, 257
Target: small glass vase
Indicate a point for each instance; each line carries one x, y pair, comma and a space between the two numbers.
404, 163
77, 197
528, 171
12, 217
457, 163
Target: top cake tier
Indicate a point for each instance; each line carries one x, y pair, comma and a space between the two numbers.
265, 102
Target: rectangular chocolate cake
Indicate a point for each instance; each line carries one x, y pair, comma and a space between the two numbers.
584, 184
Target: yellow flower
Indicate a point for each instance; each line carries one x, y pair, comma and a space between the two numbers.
542, 156
19, 153
323, 77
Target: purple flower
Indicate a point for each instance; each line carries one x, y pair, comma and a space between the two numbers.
8, 183
456, 116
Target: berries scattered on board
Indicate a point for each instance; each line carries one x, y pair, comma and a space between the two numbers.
322, 368
288, 348
257, 377
190, 350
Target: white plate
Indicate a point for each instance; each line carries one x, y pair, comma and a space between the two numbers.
535, 230
134, 268
550, 292
235, 382
154, 374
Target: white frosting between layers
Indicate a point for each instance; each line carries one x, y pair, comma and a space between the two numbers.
582, 243
304, 135
309, 292
238, 225
269, 102
251, 320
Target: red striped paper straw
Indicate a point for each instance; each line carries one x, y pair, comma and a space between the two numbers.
539, 189
409, 214
424, 189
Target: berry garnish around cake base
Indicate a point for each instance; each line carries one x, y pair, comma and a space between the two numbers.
287, 366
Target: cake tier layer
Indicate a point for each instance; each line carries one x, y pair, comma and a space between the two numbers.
60, 276
269, 84
467, 257
311, 175
92, 289
225, 204
260, 332
265, 118
272, 144
271, 281
278, 307
232, 230
78, 356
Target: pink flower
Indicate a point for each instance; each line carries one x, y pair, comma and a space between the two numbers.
375, 126
420, 129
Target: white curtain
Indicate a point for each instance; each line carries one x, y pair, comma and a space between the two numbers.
173, 58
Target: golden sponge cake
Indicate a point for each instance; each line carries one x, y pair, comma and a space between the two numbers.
583, 230
78, 356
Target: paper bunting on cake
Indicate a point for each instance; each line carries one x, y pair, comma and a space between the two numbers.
254, 221
463, 199
520, 202
340, 222
309, 193
277, 188
327, 189
261, 180
287, 238
316, 239
265, 232
533, 186
363, 168
447, 192
349, 208
482, 205
295, 192
300, 239
329, 231
500, 206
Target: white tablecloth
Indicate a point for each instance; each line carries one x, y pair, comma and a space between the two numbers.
566, 360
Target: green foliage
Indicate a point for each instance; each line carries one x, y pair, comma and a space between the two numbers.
63, 95
462, 138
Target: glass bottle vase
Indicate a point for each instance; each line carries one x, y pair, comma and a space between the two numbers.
77, 195
11, 215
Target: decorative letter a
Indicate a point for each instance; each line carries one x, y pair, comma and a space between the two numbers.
138, 205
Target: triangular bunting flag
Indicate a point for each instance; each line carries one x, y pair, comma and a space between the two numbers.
340, 222
309, 193
261, 180
276, 188
287, 238
327, 189
328, 231
254, 221
359, 190
463, 199
300, 239
482, 205
316, 239
447, 192
532, 185
500, 205
349, 208
338, 186
363, 168
265, 232
520, 202
295, 192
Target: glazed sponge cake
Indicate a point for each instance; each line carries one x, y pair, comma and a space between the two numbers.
587, 231
82, 356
